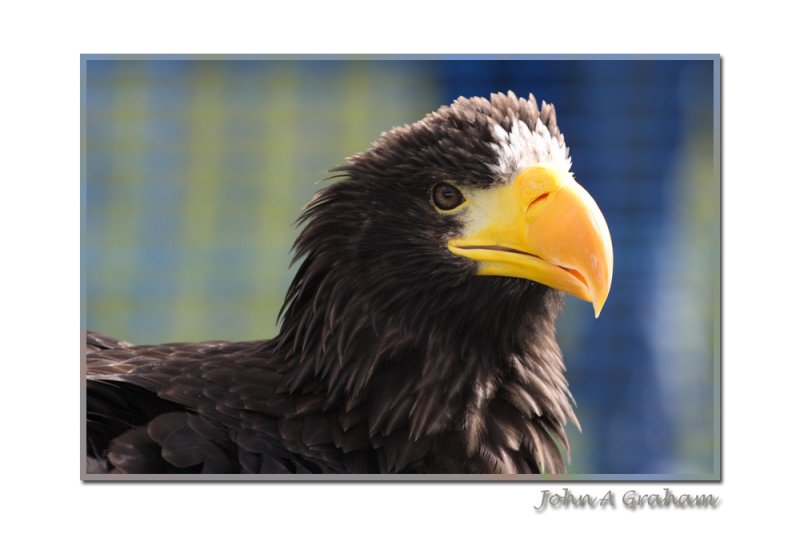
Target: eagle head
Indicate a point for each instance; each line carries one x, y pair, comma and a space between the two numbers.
480, 188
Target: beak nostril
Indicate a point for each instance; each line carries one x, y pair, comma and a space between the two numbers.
538, 199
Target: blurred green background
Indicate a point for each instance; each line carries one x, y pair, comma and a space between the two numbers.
195, 170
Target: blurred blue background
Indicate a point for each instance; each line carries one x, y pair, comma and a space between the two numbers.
194, 171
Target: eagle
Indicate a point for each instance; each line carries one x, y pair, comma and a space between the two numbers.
417, 336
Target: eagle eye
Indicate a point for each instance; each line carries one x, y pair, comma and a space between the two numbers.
447, 197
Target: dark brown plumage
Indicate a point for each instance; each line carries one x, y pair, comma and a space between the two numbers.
392, 357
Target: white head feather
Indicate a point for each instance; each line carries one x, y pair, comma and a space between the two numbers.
522, 147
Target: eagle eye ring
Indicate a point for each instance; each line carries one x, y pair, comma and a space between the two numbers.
446, 197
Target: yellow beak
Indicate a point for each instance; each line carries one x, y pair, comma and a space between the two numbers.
542, 226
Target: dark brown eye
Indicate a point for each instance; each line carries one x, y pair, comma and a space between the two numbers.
447, 197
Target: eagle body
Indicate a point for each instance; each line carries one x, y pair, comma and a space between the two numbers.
408, 342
